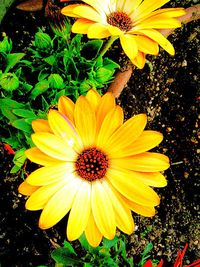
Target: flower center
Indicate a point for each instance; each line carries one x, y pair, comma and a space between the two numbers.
91, 164
120, 20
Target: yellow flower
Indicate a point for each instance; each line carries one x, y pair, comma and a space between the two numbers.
95, 167
135, 22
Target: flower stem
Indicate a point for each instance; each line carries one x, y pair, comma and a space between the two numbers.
108, 45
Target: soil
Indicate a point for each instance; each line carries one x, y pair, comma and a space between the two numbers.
167, 90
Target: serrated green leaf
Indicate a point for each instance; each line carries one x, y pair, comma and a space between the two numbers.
12, 60
9, 81
40, 88
61, 255
56, 81
5, 45
19, 157
50, 60
110, 243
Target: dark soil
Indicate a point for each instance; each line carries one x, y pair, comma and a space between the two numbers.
167, 90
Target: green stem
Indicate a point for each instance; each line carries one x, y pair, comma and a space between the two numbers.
108, 45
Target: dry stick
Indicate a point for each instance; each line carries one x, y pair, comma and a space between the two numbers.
122, 78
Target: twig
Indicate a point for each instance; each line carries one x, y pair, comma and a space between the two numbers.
121, 78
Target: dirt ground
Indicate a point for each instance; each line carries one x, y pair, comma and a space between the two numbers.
167, 90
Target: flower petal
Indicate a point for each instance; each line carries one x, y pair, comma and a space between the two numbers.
50, 174
128, 6
98, 30
129, 45
155, 179
92, 233
38, 157
93, 97
86, 12
144, 162
59, 205
66, 107
82, 26
41, 125
53, 146
85, 121
140, 209
68, 10
127, 134
27, 189
132, 188
112, 121
80, 212
124, 219
146, 45
63, 128
102, 210
147, 7
146, 141
159, 38
139, 60
40, 197
106, 104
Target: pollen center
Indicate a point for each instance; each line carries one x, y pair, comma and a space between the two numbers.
91, 164
120, 20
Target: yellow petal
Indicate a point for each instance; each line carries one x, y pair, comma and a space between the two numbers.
59, 205
139, 209
132, 188
114, 31
38, 157
146, 141
50, 174
112, 121
124, 219
106, 104
41, 125
100, 6
139, 60
146, 45
85, 121
40, 197
147, 7
127, 133
82, 26
128, 6
129, 45
158, 22
144, 162
80, 212
92, 233
98, 30
93, 97
63, 128
86, 12
66, 107
68, 10
27, 189
102, 210
159, 38
53, 146
155, 179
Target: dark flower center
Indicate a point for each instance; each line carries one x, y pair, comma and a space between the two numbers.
91, 164
120, 20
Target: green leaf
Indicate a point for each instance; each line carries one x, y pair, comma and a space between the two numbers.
110, 243
7, 102
56, 81
40, 88
84, 243
91, 48
42, 40
62, 255
50, 60
103, 75
24, 113
19, 157
13, 59
22, 124
110, 64
69, 247
9, 81
5, 45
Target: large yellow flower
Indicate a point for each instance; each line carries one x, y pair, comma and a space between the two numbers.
95, 166
135, 22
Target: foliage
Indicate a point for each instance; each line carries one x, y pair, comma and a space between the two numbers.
30, 83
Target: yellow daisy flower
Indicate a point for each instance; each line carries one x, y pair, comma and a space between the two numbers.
135, 22
95, 167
